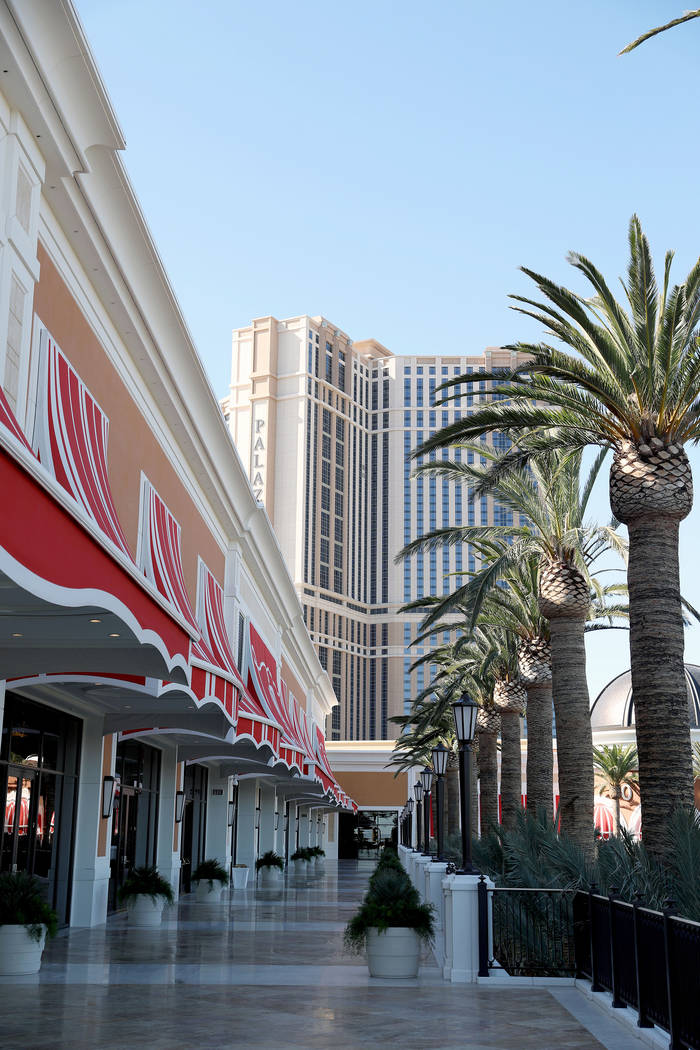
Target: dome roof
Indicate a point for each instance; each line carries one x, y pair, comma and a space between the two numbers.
614, 706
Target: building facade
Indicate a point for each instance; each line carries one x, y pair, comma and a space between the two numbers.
161, 700
325, 427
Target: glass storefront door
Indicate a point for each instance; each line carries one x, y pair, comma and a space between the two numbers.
135, 814
39, 757
194, 823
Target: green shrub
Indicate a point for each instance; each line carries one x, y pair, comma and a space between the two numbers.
210, 871
391, 901
269, 860
22, 904
145, 882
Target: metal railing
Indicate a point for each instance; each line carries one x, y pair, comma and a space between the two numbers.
532, 931
649, 960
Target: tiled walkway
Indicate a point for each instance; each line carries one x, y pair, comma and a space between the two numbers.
263, 969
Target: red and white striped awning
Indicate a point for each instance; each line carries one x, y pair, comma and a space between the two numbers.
71, 440
62, 546
604, 816
276, 703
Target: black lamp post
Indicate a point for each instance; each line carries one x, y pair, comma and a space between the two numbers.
426, 779
409, 822
465, 712
418, 795
440, 756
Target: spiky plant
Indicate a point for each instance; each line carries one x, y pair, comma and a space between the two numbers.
628, 381
687, 16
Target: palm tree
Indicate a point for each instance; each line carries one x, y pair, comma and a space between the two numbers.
617, 765
686, 17
552, 534
628, 381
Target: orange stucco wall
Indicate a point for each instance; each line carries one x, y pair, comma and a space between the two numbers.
374, 789
132, 445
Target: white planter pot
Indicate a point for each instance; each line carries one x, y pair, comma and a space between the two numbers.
144, 911
318, 863
270, 876
240, 878
204, 892
394, 953
301, 867
19, 953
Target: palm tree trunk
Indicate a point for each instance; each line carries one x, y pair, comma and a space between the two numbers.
452, 796
539, 750
511, 768
474, 781
658, 679
573, 725
488, 782
616, 794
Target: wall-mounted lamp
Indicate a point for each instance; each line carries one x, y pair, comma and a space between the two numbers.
231, 812
108, 786
179, 805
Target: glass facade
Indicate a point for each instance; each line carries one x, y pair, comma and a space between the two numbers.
39, 763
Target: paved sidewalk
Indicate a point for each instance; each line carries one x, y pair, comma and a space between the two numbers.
266, 969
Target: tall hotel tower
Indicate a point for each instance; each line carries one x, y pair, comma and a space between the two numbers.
325, 427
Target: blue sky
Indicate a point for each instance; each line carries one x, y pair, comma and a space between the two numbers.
391, 164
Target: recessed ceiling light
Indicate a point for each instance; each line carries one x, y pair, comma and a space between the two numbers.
114, 636
95, 620
17, 635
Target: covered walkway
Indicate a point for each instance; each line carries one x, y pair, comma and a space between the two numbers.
265, 968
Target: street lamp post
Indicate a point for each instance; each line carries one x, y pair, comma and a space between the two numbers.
465, 713
409, 822
418, 795
427, 781
440, 756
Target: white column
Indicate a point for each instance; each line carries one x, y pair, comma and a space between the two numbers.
461, 928
267, 817
168, 858
330, 838
303, 827
218, 842
2, 702
90, 872
247, 795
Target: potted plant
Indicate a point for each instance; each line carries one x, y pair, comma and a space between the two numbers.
301, 860
145, 893
390, 925
270, 866
25, 921
240, 876
317, 855
210, 877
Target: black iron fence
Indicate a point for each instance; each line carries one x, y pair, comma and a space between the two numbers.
649, 960
532, 929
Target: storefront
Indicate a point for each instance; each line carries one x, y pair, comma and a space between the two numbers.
134, 839
39, 761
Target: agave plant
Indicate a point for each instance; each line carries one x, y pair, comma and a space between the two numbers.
627, 381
